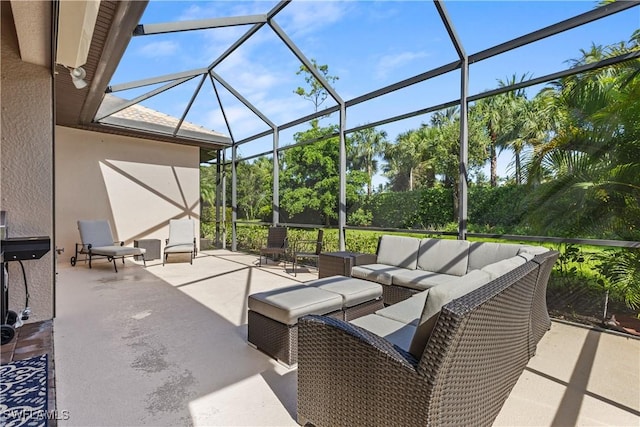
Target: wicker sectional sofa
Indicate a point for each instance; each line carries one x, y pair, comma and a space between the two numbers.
408, 265
445, 355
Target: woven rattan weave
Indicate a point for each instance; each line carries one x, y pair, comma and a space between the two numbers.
280, 341
480, 345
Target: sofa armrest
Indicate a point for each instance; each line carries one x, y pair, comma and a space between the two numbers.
320, 328
350, 376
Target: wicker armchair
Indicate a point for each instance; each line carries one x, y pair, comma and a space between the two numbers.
479, 346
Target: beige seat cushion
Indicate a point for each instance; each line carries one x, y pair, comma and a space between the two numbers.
420, 280
397, 333
379, 273
182, 248
439, 296
117, 251
407, 311
353, 291
286, 305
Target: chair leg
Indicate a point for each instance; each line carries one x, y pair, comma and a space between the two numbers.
90, 259
115, 265
144, 261
191, 259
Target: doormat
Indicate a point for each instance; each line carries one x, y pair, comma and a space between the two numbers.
23, 392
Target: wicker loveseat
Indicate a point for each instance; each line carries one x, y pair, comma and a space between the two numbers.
453, 364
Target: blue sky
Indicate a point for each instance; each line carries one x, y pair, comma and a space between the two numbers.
367, 44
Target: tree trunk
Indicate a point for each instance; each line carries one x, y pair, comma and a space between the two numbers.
494, 161
518, 168
369, 179
456, 201
411, 179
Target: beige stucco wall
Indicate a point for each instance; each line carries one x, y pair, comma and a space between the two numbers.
135, 184
26, 174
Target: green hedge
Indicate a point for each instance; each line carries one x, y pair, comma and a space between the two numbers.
497, 209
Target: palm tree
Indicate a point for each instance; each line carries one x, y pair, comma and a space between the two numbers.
591, 155
524, 123
367, 144
410, 161
496, 113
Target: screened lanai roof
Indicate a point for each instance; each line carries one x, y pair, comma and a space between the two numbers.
230, 68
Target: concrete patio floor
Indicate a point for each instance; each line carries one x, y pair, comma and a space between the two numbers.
166, 346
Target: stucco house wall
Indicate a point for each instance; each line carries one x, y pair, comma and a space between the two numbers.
26, 167
137, 185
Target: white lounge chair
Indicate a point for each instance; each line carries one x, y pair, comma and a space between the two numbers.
182, 239
97, 240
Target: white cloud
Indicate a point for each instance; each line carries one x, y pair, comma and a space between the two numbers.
306, 17
389, 63
223, 9
159, 49
245, 75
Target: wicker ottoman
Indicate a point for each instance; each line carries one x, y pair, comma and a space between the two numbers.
359, 297
273, 315
273, 318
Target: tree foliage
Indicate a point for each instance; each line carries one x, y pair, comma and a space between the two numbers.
591, 160
310, 181
316, 92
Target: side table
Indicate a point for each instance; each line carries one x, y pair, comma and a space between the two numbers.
151, 245
340, 263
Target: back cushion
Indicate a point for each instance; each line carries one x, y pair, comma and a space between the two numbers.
181, 231
95, 232
499, 268
534, 250
439, 296
398, 251
444, 256
485, 253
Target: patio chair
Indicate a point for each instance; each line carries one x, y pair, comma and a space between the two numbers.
182, 239
307, 249
97, 240
277, 244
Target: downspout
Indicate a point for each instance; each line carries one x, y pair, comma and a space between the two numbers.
55, 12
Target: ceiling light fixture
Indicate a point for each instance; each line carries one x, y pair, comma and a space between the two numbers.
78, 75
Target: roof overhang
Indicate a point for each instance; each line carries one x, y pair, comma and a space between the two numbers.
114, 26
